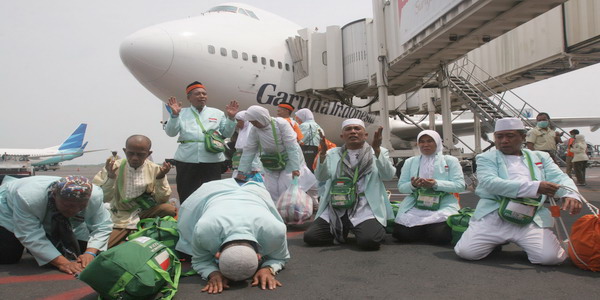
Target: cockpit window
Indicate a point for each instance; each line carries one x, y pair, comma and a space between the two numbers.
233, 9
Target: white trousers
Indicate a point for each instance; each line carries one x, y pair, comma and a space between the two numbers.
540, 244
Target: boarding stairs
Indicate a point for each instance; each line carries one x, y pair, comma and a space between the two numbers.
481, 100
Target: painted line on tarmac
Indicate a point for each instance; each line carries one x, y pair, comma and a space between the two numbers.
37, 278
72, 294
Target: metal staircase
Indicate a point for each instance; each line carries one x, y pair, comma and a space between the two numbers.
484, 102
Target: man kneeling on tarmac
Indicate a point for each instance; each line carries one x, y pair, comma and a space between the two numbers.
237, 225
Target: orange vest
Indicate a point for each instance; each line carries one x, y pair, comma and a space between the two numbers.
569, 153
296, 127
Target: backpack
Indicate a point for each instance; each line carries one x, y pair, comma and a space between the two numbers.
585, 240
138, 269
163, 230
459, 223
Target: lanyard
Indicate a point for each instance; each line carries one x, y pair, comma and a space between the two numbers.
530, 165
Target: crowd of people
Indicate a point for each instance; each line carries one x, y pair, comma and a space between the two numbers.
231, 228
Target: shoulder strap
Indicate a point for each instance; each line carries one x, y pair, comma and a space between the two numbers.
274, 135
530, 165
198, 120
121, 179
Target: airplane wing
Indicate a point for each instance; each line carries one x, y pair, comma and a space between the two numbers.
570, 122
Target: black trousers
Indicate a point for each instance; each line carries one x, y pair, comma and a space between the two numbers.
436, 233
190, 176
11, 249
369, 234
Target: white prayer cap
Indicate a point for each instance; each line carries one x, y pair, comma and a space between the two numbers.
238, 262
241, 115
509, 124
353, 122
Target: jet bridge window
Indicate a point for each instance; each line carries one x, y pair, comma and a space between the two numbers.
223, 52
234, 54
211, 49
244, 56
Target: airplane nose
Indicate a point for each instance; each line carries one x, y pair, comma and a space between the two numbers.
148, 53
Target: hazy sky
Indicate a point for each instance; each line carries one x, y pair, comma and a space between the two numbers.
60, 66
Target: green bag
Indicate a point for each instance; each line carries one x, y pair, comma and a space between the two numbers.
138, 269
213, 140
389, 228
235, 159
343, 189
274, 161
459, 223
520, 211
428, 199
163, 230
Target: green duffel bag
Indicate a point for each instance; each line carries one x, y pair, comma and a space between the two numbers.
162, 229
214, 141
459, 223
138, 269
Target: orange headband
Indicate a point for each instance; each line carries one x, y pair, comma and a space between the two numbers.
195, 86
286, 106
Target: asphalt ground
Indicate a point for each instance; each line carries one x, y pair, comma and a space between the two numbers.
396, 271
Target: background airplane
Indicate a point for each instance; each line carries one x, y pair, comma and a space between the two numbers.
245, 57
46, 158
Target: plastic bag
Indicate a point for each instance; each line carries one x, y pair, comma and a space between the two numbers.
294, 205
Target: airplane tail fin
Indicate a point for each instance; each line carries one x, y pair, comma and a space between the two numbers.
75, 140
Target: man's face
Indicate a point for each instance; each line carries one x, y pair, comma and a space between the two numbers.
69, 207
239, 124
509, 142
354, 136
541, 118
136, 153
282, 112
198, 98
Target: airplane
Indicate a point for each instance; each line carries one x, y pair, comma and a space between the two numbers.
49, 158
245, 57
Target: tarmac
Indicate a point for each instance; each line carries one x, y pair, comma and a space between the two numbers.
396, 271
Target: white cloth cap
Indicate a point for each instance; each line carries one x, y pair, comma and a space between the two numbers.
238, 262
241, 115
353, 122
509, 124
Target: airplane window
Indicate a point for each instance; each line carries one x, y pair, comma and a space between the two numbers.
272, 63
211, 49
242, 11
251, 13
263, 61
279, 65
287, 67
223, 52
324, 57
234, 54
225, 8
244, 56
254, 59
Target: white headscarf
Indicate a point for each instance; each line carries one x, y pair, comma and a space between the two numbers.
258, 113
243, 133
305, 115
427, 161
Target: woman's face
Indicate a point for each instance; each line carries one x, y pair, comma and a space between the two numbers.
427, 145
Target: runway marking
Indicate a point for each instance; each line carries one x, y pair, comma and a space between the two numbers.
37, 278
72, 294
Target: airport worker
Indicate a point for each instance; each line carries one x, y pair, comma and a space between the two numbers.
233, 232
274, 141
354, 197
284, 110
569, 154
543, 137
194, 162
61, 221
513, 185
310, 129
580, 158
135, 187
243, 128
430, 179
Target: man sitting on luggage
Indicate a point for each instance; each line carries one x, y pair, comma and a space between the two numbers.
513, 185
237, 225
135, 187
61, 221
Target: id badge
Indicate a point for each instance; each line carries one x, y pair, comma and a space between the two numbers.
428, 200
522, 209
